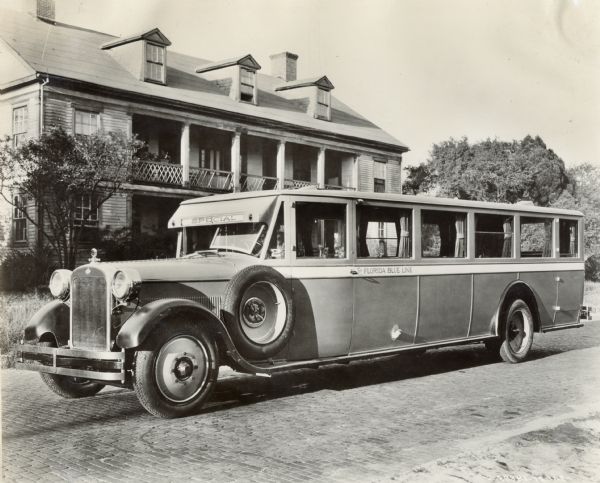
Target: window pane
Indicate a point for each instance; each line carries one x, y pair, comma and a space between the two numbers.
493, 236
379, 185
379, 169
277, 245
536, 237
320, 230
19, 125
86, 123
247, 77
443, 234
323, 97
383, 232
568, 236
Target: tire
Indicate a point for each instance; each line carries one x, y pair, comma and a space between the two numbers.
517, 332
67, 386
258, 310
176, 369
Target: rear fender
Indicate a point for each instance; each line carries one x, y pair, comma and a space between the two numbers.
139, 326
52, 319
517, 289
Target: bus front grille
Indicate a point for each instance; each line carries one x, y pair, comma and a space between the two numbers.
89, 312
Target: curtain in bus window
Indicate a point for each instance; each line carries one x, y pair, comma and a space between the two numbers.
404, 249
548, 238
459, 249
572, 236
507, 243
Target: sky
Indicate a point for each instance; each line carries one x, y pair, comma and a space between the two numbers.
423, 70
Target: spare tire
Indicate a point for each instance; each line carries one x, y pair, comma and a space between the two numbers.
258, 310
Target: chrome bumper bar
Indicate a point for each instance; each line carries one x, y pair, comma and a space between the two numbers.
86, 364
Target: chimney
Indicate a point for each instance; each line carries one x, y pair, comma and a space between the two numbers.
284, 65
45, 10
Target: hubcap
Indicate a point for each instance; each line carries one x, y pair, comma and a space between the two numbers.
517, 333
263, 312
181, 368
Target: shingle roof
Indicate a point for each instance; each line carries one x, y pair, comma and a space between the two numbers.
76, 53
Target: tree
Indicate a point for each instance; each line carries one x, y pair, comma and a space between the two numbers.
68, 178
491, 170
584, 196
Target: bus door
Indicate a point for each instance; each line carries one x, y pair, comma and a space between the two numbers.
321, 281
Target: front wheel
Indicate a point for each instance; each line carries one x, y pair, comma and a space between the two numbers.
176, 370
517, 333
67, 386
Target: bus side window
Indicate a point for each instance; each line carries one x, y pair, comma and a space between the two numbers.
493, 236
567, 238
383, 232
320, 230
536, 237
443, 234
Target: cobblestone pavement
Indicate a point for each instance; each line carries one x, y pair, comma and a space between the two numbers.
393, 418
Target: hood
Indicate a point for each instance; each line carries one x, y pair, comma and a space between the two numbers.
184, 269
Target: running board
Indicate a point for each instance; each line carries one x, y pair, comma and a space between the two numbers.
561, 327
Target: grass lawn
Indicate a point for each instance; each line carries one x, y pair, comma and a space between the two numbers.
17, 309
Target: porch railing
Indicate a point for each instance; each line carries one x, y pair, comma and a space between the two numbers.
160, 173
339, 187
253, 182
296, 183
212, 179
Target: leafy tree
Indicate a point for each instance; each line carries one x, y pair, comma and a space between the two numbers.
584, 196
491, 170
58, 171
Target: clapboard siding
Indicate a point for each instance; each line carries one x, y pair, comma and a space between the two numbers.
58, 113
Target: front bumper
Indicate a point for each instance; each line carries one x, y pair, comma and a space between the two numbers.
100, 366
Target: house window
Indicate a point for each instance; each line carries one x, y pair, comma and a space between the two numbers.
155, 63
19, 218
379, 175
86, 212
247, 82
19, 125
86, 123
323, 101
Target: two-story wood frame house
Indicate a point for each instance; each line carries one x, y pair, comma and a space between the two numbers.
213, 126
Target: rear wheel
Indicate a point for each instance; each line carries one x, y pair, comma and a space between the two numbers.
517, 332
67, 386
176, 370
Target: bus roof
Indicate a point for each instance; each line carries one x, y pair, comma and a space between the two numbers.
371, 196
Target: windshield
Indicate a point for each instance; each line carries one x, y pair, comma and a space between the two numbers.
245, 238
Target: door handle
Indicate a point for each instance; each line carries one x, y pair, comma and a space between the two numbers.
353, 271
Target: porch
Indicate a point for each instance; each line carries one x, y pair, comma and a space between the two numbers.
181, 154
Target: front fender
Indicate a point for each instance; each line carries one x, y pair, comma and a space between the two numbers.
52, 318
137, 328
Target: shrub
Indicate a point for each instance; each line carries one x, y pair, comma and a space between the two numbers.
123, 245
592, 268
25, 270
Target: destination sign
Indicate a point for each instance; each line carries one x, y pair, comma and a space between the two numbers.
214, 219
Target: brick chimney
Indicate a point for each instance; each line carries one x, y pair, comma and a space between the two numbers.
284, 66
45, 10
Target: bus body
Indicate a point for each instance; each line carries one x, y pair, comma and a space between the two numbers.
270, 281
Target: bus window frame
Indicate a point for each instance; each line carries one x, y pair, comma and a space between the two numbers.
553, 235
580, 235
350, 257
386, 260
283, 202
468, 212
473, 233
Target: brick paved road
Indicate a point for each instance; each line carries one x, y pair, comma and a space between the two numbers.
365, 421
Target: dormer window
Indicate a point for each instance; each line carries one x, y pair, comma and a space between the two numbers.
247, 85
155, 63
323, 110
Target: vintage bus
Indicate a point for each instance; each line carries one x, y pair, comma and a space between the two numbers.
270, 281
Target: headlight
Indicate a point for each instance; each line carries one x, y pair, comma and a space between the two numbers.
60, 284
125, 284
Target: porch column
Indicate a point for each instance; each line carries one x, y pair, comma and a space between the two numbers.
281, 165
184, 154
236, 160
321, 168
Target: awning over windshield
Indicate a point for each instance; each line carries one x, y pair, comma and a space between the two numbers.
246, 210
